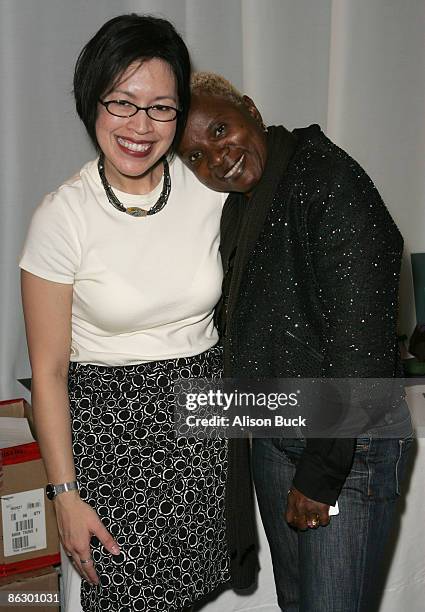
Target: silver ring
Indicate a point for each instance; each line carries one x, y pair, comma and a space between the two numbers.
84, 561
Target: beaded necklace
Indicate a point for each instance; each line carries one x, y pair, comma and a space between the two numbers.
135, 211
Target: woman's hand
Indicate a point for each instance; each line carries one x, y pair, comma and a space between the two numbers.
77, 523
303, 512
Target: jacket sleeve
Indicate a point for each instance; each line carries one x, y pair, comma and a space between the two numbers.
355, 250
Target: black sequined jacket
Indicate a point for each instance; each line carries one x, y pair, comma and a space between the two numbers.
311, 264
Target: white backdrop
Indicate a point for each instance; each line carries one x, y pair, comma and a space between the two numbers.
356, 67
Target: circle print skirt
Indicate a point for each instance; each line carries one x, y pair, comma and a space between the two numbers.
161, 497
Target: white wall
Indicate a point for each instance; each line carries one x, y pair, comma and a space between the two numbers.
355, 66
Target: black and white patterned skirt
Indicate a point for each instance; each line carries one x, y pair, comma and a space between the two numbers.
161, 497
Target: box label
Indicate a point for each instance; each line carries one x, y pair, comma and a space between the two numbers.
24, 522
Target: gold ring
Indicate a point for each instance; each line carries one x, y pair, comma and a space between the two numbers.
315, 521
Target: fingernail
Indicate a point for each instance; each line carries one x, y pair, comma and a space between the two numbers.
115, 550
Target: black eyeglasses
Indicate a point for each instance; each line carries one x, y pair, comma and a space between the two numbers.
157, 112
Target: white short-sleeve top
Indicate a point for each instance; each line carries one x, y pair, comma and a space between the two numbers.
144, 288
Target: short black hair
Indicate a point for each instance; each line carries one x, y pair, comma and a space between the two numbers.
120, 42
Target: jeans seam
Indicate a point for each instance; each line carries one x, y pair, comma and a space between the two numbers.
369, 471
365, 547
400, 452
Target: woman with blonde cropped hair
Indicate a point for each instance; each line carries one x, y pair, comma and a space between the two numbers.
312, 259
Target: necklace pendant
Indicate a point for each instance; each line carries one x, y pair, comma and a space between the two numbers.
135, 211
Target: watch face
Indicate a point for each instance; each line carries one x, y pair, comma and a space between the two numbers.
50, 491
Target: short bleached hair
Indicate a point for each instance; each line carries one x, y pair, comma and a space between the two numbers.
213, 84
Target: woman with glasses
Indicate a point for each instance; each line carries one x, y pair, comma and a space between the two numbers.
120, 275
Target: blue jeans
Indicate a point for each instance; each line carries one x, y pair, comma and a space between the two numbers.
333, 568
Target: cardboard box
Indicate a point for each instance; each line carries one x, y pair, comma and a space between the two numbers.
28, 531
42, 582
17, 408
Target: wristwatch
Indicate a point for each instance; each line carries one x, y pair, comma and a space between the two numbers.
55, 489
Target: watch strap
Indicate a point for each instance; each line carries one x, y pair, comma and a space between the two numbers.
66, 486
52, 490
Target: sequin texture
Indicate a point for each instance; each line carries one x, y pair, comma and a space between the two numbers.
318, 296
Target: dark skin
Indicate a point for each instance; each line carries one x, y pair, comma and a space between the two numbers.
305, 513
225, 146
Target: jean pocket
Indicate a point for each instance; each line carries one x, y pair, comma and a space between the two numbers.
386, 460
360, 469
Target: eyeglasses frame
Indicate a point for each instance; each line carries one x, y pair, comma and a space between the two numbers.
139, 108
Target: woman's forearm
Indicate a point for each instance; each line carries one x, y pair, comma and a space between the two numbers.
53, 425
47, 310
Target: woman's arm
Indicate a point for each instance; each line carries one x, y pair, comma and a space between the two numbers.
356, 252
47, 310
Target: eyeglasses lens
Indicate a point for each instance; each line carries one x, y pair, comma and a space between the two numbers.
157, 113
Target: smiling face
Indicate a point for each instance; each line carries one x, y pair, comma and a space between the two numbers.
133, 145
224, 143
